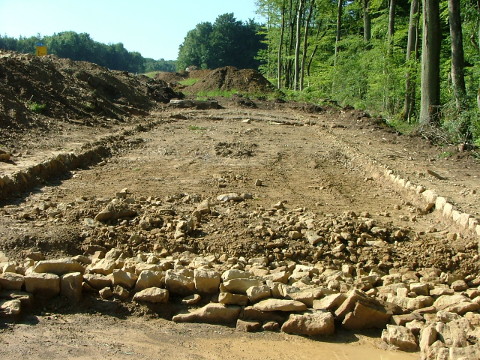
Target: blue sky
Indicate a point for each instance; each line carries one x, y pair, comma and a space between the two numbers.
155, 28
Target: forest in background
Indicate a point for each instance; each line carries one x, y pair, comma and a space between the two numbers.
413, 62
368, 54
226, 42
82, 47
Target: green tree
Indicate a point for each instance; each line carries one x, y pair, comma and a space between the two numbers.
225, 42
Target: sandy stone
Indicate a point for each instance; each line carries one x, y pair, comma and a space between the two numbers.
71, 286
400, 337
191, 299
124, 278
149, 278
121, 292
458, 304
235, 274
212, 313
227, 298
280, 305
58, 267
240, 285
97, 281
315, 324
106, 293
366, 316
153, 295
248, 326
271, 326
178, 283
459, 285
257, 293
206, 280
42, 284
11, 281
330, 302
102, 266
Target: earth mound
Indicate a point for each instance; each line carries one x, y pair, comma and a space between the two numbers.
36, 89
230, 78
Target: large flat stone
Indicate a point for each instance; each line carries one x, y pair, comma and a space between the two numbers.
212, 313
280, 305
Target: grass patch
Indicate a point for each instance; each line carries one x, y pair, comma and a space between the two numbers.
151, 74
188, 82
403, 127
36, 107
196, 128
445, 155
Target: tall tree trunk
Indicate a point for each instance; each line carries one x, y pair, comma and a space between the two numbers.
412, 49
367, 21
430, 99
458, 78
391, 21
339, 27
305, 43
289, 68
297, 45
280, 50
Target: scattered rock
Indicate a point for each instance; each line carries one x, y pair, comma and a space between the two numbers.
212, 313
315, 324
153, 295
400, 337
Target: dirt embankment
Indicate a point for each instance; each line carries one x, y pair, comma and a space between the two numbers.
226, 78
36, 89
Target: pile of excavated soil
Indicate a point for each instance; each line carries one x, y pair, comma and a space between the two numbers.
171, 77
36, 89
230, 78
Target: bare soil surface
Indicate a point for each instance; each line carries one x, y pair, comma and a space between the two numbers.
299, 158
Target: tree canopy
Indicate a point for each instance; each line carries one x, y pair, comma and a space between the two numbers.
82, 47
226, 42
368, 54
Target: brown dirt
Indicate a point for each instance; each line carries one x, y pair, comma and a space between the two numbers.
313, 160
230, 78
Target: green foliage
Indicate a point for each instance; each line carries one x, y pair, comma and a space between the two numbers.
189, 82
196, 128
36, 107
371, 75
227, 42
82, 47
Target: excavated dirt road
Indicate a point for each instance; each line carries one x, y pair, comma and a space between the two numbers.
324, 164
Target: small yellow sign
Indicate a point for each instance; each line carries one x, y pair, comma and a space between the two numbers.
41, 50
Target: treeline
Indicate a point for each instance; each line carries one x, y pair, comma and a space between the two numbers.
82, 47
415, 61
225, 42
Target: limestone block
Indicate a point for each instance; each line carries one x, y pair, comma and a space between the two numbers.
58, 266
206, 280
315, 324
11, 281
124, 278
42, 284
280, 305
97, 281
179, 283
71, 286
212, 313
240, 285
149, 278
227, 298
257, 293
152, 295
400, 337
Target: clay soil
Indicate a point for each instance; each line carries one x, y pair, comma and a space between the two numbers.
316, 161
